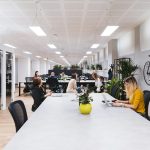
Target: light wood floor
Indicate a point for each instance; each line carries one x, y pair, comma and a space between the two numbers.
7, 127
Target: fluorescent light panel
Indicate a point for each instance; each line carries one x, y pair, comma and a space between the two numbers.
109, 30
38, 56
58, 52
95, 46
27, 52
37, 30
8, 45
88, 52
52, 46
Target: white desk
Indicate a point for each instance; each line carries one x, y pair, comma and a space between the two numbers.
81, 81
58, 125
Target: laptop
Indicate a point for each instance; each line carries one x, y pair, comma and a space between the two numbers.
107, 101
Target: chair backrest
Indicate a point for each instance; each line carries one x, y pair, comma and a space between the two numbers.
146, 101
52, 82
114, 90
18, 112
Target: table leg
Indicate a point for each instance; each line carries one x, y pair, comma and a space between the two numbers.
19, 88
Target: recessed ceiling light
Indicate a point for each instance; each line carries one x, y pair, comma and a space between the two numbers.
61, 56
88, 52
58, 52
45, 58
95, 46
52, 46
109, 30
27, 52
38, 56
84, 56
8, 45
37, 30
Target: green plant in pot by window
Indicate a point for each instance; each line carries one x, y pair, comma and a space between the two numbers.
84, 103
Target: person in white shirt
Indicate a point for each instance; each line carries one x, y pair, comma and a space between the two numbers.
72, 85
98, 82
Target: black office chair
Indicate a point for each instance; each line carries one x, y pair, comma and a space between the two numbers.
18, 112
53, 84
146, 101
115, 90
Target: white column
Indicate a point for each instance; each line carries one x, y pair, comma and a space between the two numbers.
24, 68
13, 77
3, 80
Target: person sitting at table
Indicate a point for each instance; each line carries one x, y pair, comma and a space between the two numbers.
63, 76
36, 75
38, 93
135, 95
98, 82
72, 85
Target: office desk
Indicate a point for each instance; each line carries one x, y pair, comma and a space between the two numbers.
62, 82
30, 82
58, 125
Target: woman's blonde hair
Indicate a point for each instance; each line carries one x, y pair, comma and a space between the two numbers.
132, 86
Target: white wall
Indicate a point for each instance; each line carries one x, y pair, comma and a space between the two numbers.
24, 68
126, 44
35, 66
43, 67
145, 35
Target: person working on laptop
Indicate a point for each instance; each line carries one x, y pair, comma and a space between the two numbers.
135, 95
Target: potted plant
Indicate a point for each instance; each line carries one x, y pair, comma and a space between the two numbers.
126, 68
84, 103
93, 67
98, 66
57, 67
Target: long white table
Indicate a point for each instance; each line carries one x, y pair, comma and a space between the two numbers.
58, 125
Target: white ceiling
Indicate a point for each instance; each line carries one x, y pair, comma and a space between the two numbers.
72, 25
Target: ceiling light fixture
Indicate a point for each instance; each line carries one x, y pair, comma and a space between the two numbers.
37, 30
84, 56
8, 45
95, 46
58, 53
27, 52
88, 52
52, 46
38, 56
109, 30
62, 56
44, 58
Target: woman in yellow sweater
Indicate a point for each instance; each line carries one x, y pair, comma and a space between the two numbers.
135, 95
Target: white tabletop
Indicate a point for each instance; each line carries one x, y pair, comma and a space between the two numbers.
81, 81
58, 125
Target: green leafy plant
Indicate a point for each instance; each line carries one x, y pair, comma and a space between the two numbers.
93, 67
58, 67
126, 68
119, 87
74, 66
85, 99
98, 66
